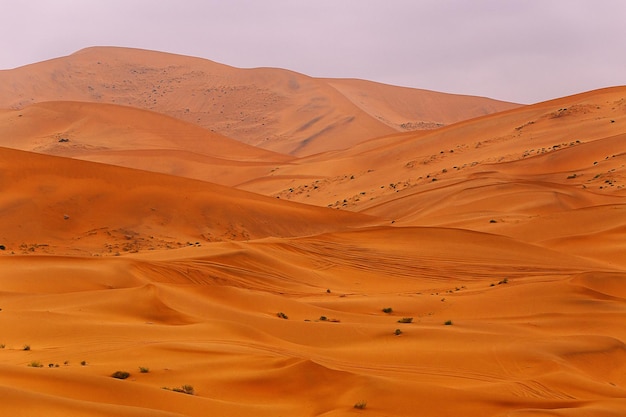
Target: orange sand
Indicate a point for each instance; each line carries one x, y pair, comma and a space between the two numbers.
271, 108
121, 250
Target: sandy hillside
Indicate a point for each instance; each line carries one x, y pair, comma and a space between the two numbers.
511, 173
411, 109
65, 206
134, 138
271, 108
475, 270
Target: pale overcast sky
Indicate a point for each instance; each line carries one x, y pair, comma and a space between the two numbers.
517, 50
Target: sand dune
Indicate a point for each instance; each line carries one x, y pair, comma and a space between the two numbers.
411, 109
134, 138
515, 173
88, 126
59, 205
271, 108
206, 317
477, 269
560, 137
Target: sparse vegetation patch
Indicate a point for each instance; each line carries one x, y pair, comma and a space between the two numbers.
360, 405
185, 389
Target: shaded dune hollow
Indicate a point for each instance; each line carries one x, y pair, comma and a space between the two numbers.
162, 262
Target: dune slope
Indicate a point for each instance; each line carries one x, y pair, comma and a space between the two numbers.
61, 205
134, 138
542, 173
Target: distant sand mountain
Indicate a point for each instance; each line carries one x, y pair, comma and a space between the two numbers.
270, 108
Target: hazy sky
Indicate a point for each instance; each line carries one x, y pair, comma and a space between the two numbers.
516, 50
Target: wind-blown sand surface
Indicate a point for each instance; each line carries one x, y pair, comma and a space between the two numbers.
495, 246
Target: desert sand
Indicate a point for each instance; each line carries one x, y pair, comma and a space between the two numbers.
270, 108
474, 269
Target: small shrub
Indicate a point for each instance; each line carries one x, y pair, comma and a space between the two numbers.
398, 332
323, 318
388, 310
448, 323
35, 364
406, 320
144, 370
2, 345
120, 374
83, 363
26, 347
185, 389
282, 315
360, 405
504, 281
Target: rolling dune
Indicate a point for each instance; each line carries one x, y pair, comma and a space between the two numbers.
59, 205
207, 317
134, 138
477, 269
